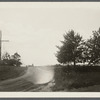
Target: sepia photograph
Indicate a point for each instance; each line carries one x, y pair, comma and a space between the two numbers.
49, 47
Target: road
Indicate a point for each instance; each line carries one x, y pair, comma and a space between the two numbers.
35, 79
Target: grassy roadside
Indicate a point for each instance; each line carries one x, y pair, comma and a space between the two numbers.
10, 72
68, 77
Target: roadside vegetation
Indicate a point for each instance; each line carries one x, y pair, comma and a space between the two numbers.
10, 72
11, 60
10, 66
79, 62
67, 78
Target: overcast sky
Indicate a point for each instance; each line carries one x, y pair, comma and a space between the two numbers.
34, 29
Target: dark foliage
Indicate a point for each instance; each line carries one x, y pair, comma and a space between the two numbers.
70, 51
75, 50
13, 60
67, 78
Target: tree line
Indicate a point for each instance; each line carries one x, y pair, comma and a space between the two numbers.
75, 49
11, 60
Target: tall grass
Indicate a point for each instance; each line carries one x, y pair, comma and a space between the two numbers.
9, 72
69, 77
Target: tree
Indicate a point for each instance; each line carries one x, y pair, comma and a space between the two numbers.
5, 59
93, 45
6, 56
16, 59
11, 60
71, 49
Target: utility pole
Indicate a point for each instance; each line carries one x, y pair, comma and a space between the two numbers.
1, 43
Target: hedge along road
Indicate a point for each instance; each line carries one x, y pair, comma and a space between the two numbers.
35, 79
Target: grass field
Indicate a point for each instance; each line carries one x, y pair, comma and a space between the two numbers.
9, 72
68, 77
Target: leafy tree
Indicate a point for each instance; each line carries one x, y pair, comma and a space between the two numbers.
16, 59
93, 45
71, 49
6, 56
5, 59
13, 60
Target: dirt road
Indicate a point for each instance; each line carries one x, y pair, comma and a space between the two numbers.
35, 79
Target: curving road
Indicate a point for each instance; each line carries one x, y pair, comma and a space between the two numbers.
35, 79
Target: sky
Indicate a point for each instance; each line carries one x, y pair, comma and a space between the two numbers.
35, 28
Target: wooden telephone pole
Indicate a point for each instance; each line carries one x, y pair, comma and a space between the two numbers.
1, 43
